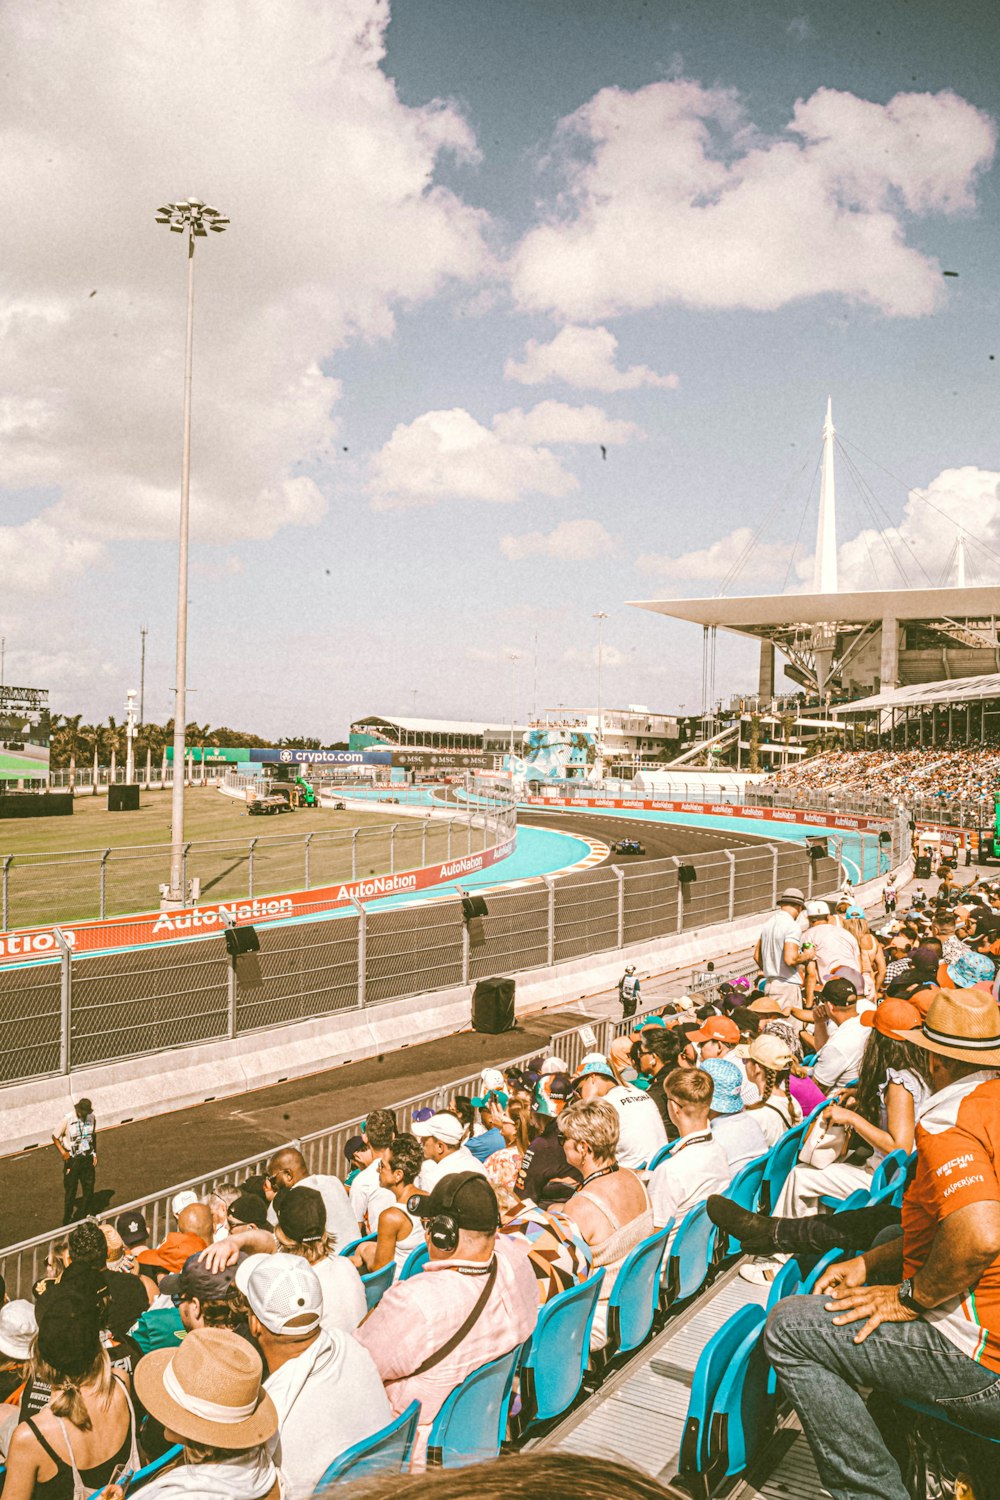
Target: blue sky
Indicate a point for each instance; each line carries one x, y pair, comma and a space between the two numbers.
677, 229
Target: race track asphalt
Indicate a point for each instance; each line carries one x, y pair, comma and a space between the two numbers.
659, 840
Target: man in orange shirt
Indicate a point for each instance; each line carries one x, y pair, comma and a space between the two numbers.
920, 1313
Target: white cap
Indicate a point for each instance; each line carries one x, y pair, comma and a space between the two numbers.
442, 1127
280, 1290
17, 1329
817, 908
553, 1065
183, 1200
591, 1057
493, 1080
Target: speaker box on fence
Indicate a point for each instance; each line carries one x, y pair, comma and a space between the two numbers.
922, 867
885, 837
123, 798
687, 874
493, 1005
816, 848
241, 940
474, 906
36, 804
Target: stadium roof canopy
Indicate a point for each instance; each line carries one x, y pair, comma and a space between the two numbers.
773, 615
928, 695
433, 726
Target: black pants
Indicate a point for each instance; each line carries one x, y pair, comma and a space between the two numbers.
854, 1229
629, 1003
78, 1172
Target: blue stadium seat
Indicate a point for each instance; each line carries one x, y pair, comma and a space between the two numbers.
662, 1154
824, 1263
414, 1262
387, 1450
712, 1365
743, 1411
744, 1190
780, 1160
556, 1356
350, 1248
786, 1283
690, 1256
472, 1423
890, 1169
377, 1283
141, 1475
635, 1295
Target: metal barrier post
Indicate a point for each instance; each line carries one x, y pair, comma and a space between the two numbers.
354, 853
620, 877
184, 868
732, 881
550, 951
308, 885
104, 883
838, 845
774, 873
231, 998
392, 848
423, 841
65, 998
362, 950
253, 845
680, 893
462, 894
448, 851
812, 876
8, 860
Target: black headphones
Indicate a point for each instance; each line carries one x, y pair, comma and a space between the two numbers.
442, 1231
443, 1228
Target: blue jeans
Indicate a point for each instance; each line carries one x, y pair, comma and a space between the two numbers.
820, 1367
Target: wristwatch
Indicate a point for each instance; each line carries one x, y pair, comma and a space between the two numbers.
906, 1297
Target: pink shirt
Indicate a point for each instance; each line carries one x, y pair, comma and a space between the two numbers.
416, 1317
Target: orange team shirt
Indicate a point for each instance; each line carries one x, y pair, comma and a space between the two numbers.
958, 1140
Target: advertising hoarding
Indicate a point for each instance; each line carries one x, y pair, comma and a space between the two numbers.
24, 734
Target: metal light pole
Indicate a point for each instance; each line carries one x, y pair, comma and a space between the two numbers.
130, 737
193, 218
600, 617
514, 658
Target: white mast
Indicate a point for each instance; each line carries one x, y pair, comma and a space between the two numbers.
825, 572
960, 560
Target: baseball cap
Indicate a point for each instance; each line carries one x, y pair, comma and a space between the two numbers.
855, 911
553, 1065
194, 1279
443, 1127
352, 1146
727, 1085
301, 1214
649, 1021
891, 1016
182, 1200
132, 1228
838, 992
769, 1051
283, 1291
480, 1101
492, 1080
466, 1197
716, 1029
249, 1209
17, 1329
817, 908
597, 1067
420, 1115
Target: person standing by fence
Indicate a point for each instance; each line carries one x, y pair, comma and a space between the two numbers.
628, 991
76, 1142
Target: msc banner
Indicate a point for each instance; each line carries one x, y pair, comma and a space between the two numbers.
204, 921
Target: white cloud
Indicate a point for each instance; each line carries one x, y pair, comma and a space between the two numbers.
287, 119
610, 656
552, 422
449, 455
586, 358
672, 196
38, 556
570, 541
716, 560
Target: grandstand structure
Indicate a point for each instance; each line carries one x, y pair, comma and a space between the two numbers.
859, 651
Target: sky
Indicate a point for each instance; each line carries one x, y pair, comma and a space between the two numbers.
525, 311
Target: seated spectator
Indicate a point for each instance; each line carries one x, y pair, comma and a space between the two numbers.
220, 1201
121, 1259
398, 1231
246, 1212
719, 1036
769, 1068
88, 1427
502, 1167
971, 971
737, 1132
522, 1476
840, 1047
486, 1136
659, 1052
194, 1231
379, 1134
443, 1136
134, 1234
182, 1200
359, 1155
623, 1055
18, 1328
552, 1068
127, 1295
641, 1130
545, 1176
325, 1388
611, 1209
208, 1396
697, 1165
474, 1286
287, 1168
897, 950
200, 1296
301, 1231
919, 973
559, 1255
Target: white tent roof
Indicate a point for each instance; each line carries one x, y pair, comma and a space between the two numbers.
437, 726
926, 694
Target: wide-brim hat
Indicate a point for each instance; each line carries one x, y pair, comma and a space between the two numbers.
963, 1024
208, 1390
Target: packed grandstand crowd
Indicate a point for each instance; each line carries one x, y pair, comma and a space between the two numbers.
947, 775
291, 1315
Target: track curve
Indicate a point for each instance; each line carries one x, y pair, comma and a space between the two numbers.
660, 840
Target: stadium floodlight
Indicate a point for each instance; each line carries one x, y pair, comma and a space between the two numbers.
189, 216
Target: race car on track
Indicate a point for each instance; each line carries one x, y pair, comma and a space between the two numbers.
627, 846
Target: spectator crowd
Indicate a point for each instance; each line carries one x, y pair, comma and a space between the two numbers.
243, 1342
946, 775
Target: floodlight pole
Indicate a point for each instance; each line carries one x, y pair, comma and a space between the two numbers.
195, 218
600, 617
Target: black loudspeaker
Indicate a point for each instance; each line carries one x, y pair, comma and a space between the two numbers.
493, 1006
474, 906
885, 837
687, 874
922, 867
241, 940
123, 798
816, 848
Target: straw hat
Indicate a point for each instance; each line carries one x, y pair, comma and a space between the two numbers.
208, 1390
964, 1024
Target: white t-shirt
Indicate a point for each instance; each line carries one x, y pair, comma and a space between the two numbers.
340, 1220
740, 1137
838, 1061
361, 1191
77, 1136
328, 1398
344, 1300
377, 1205
833, 948
461, 1160
779, 1114
642, 1131
696, 1167
778, 930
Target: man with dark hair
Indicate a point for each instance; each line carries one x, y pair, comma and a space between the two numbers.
76, 1142
127, 1296
658, 1051
287, 1168
838, 1052
379, 1131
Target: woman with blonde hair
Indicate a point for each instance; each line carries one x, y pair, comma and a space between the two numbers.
85, 1437
872, 956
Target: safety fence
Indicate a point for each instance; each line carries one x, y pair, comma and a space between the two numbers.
83, 1009
324, 1150
85, 884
